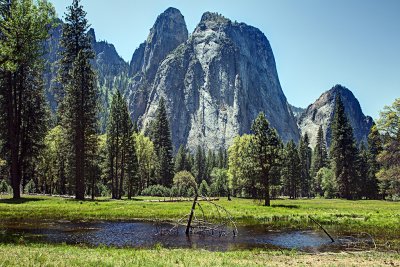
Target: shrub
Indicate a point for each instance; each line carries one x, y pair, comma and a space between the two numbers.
157, 191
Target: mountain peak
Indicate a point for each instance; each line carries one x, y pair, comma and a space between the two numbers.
322, 110
168, 32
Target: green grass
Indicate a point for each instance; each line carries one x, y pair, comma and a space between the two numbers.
372, 216
64, 255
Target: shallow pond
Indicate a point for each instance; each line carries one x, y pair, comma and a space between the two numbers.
140, 234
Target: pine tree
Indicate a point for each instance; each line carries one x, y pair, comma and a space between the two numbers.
78, 93
161, 135
181, 160
291, 171
121, 148
320, 156
343, 152
305, 165
199, 164
266, 147
132, 166
23, 28
74, 39
374, 149
362, 171
80, 121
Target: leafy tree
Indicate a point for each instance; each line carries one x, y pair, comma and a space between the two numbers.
23, 28
266, 144
389, 158
51, 178
328, 182
343, 152
146, 158
291, 171
305, 155
242, 167
184, 180
161, 135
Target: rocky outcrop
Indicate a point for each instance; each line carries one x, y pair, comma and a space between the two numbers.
322, 110
168, 32
297, 112
216, 83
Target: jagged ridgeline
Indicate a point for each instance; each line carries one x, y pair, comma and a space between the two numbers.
111, 69
214, 82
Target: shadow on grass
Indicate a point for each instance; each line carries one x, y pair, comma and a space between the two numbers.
285, 206
20, 200
101, 200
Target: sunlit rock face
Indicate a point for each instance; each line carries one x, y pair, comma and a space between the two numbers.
215, 83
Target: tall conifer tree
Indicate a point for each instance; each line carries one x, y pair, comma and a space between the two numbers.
343, 152
305, 165
291, 171
374, 148
266, 147
161, 134
78, 93
23, 28
320, 156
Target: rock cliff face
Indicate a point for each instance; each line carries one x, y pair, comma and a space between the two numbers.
168, 32
111, 69
322, 110
215, 84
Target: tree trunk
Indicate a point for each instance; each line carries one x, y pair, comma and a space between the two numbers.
121, 182
267, 198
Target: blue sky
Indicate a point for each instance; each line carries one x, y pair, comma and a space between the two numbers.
316, 43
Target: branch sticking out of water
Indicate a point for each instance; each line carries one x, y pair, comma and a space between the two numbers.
326, 232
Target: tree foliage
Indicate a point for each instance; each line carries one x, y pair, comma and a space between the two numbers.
266, 148
24, 26
343, 152
389, 157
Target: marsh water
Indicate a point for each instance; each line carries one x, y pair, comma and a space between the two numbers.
141, 234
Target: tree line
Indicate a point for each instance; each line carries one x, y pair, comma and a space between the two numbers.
68, 155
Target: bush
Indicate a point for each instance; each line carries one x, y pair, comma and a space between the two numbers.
156, 191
